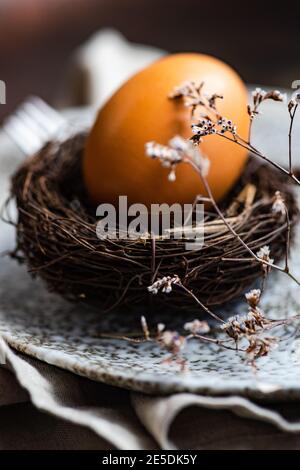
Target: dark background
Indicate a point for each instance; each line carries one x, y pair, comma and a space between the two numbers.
37, 37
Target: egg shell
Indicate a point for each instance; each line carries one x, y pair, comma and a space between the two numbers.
114, 161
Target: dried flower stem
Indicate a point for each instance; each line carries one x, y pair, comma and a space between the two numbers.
292, 113
207, 127
194, 98
257, 153
284, 269
204, 307
250, 327
288, 241
216, 207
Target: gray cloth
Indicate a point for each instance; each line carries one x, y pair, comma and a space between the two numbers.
44, 407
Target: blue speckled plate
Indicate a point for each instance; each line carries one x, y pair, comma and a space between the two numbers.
44, 326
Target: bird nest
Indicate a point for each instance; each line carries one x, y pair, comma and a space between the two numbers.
56, 237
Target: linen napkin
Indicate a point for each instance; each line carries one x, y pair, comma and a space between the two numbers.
102, 65
124, 420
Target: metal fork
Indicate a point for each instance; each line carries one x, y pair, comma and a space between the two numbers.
33, 124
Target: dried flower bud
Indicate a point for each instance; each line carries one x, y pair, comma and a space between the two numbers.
160, 327
253, 297
275, 95
172, 341
212, 100
167, 155
194, 97
279, 206
244, 326
291, 104
172, 176
258, 95
197, 327
145, 327
164, 284
185, 89
259, 347
175, 152
264, 255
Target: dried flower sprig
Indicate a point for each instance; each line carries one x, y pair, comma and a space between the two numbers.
197, 327
191, 158
247, 327
263, 254
279, 206
253, 297
252, 323
246, 333
194, 97
259, 97
208, 126
164, 284
175, 152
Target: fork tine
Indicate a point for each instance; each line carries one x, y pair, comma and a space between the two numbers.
33, 124
43, 122
48, 115
25, 139
9, 129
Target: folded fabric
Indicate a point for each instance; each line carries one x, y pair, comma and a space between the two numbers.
101, 65
136, 421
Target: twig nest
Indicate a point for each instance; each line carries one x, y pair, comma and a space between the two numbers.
56, 237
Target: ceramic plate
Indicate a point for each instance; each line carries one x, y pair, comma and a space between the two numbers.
44, 326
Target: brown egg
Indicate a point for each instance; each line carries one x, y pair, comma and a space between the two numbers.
114, 161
